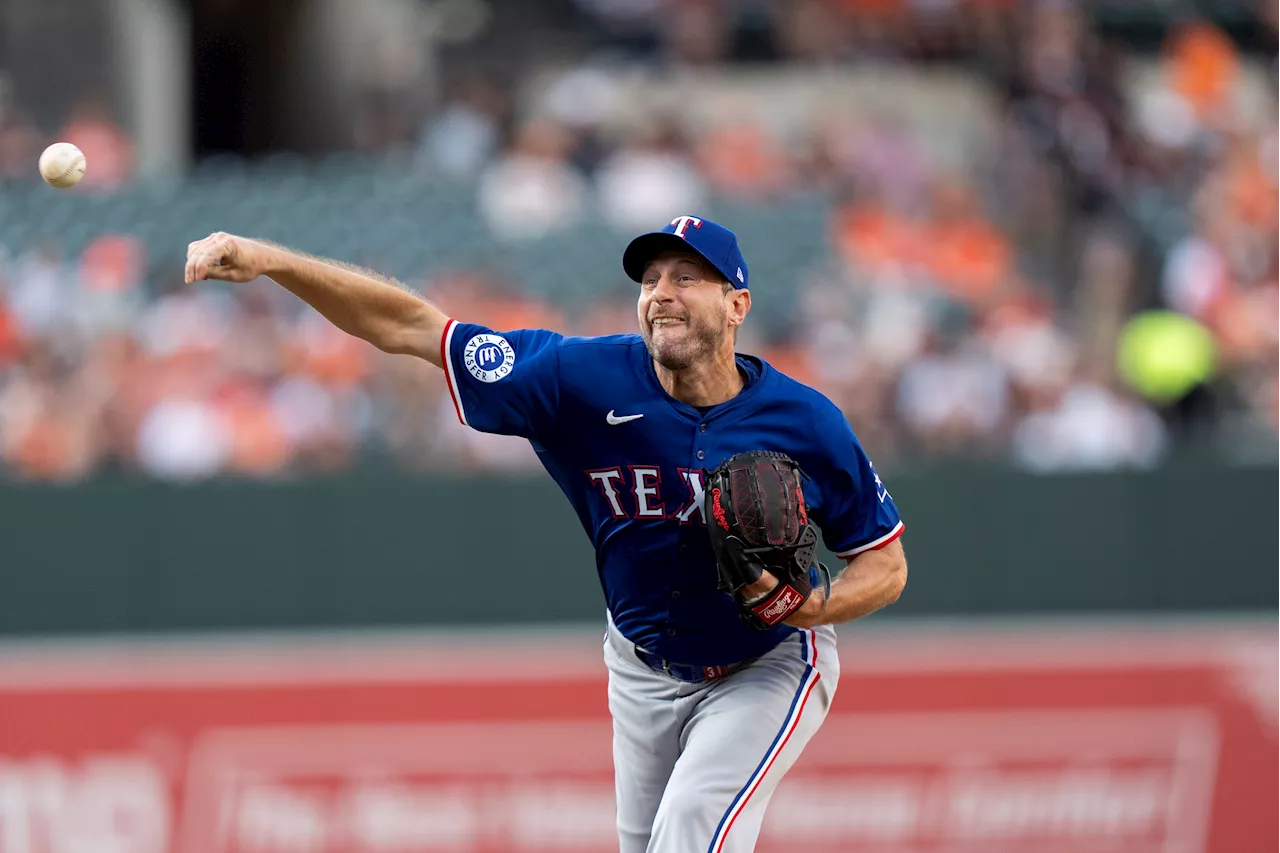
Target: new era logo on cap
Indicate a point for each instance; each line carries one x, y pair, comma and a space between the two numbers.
716, 244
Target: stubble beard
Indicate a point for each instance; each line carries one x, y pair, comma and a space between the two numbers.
701, 339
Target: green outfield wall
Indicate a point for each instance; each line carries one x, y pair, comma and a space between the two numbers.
379, 549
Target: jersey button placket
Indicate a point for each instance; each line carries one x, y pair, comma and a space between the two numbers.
699, 451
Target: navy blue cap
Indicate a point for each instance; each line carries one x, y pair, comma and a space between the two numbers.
714, 243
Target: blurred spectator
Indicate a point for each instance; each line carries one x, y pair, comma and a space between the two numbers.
814, 30
954, 399
184, 438
1195, 272
968, 257
973, 289
259, 445
187, 322
1088, 427
111, 275
464, 135
381, 124
105, 145
695, 32
872, 152
629, 24
649, 179
47, 428
1202, 67
1064, 96
10, 335
533, 190
19, 137
742, 158
41, 297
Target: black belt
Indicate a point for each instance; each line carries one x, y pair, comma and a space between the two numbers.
687, 672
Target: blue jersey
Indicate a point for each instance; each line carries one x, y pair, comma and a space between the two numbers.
631, 459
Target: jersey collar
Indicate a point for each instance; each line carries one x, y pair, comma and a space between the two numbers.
753, 367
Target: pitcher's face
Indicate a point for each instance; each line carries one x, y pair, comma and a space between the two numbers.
684, 310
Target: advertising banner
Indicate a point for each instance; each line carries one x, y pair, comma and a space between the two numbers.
1070, 740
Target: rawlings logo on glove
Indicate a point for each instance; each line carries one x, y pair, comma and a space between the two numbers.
761, 524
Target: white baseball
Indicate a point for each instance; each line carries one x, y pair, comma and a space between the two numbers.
62, 165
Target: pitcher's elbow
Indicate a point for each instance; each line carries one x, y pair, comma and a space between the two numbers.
897, 583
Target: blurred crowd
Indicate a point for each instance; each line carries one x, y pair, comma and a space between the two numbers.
971, 312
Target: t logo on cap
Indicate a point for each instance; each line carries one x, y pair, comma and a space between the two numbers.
682, 222
714, 243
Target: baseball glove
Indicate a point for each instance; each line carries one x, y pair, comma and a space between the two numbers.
754, 504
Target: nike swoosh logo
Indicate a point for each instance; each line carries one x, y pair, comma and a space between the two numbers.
614, 420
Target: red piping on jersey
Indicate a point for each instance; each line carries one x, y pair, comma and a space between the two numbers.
893, 534
444, 362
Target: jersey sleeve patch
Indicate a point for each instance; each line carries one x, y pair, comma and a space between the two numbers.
489, 358
502, 382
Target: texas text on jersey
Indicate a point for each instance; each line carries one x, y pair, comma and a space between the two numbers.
632, 461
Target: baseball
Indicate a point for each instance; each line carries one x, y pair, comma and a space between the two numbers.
62, 165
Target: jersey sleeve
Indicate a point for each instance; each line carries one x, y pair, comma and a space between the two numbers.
857, 513
503, 382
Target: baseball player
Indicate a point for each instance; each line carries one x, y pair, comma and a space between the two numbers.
701, 476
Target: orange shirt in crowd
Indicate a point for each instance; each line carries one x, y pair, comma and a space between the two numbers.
743, 159
1202, 65
10, 339
971, 259
874, 239
106, 147
259, 445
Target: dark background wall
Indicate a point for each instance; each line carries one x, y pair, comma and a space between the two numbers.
382, 549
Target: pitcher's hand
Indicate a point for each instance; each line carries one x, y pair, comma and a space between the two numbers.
809, 615
226, 257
